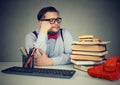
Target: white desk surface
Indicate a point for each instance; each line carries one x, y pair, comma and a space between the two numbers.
79, 78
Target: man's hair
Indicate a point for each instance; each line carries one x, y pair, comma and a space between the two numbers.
42, 12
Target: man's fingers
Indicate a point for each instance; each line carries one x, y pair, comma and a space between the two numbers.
35, 57
35, 60
41, 51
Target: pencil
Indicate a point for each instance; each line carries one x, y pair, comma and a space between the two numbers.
29, 59
24, 51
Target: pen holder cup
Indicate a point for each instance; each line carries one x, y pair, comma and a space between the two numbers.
25, 59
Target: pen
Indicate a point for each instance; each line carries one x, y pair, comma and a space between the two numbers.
29, 59
32, 60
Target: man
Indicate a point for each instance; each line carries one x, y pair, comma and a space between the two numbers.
53, 51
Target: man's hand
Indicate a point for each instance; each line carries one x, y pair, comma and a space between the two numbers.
42, 60
45, 26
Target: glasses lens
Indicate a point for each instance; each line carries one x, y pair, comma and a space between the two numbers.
53, 20
59, 20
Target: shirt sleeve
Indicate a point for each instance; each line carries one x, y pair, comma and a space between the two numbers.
64, 58
40, 42
61, 59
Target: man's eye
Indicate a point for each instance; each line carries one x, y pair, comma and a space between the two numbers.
51, 20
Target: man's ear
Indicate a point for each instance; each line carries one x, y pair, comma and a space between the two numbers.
39, 22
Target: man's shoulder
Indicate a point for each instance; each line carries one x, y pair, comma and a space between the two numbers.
66, 33
32, 33
64, 30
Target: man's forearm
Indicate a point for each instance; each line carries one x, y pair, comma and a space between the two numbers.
41, 41
61, 59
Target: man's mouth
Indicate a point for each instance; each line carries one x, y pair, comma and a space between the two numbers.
53, 30
56, 26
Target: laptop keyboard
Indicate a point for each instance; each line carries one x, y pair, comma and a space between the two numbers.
47, 72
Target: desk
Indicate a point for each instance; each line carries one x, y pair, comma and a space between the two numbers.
79, 78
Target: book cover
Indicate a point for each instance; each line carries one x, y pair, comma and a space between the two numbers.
81, 67
81, 62
101, 53
88, 47
91, 43
86, 57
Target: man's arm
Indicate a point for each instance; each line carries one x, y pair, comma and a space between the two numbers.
31, 40
43, 59
40, 42
61, 59
42, 37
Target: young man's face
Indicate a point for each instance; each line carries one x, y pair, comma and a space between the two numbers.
54, 16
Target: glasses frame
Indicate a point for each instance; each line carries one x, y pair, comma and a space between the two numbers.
53, 20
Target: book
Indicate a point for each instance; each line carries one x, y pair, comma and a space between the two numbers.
91, 43
86, 62
86, 57
79, 47
90, 53
81, 67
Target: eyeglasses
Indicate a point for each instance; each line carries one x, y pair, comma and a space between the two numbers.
53, 20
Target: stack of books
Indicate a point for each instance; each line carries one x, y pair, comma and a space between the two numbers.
88, 51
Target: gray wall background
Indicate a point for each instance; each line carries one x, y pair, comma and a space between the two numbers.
98, 17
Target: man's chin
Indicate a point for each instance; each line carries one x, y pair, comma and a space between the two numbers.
53, 32
56, 31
